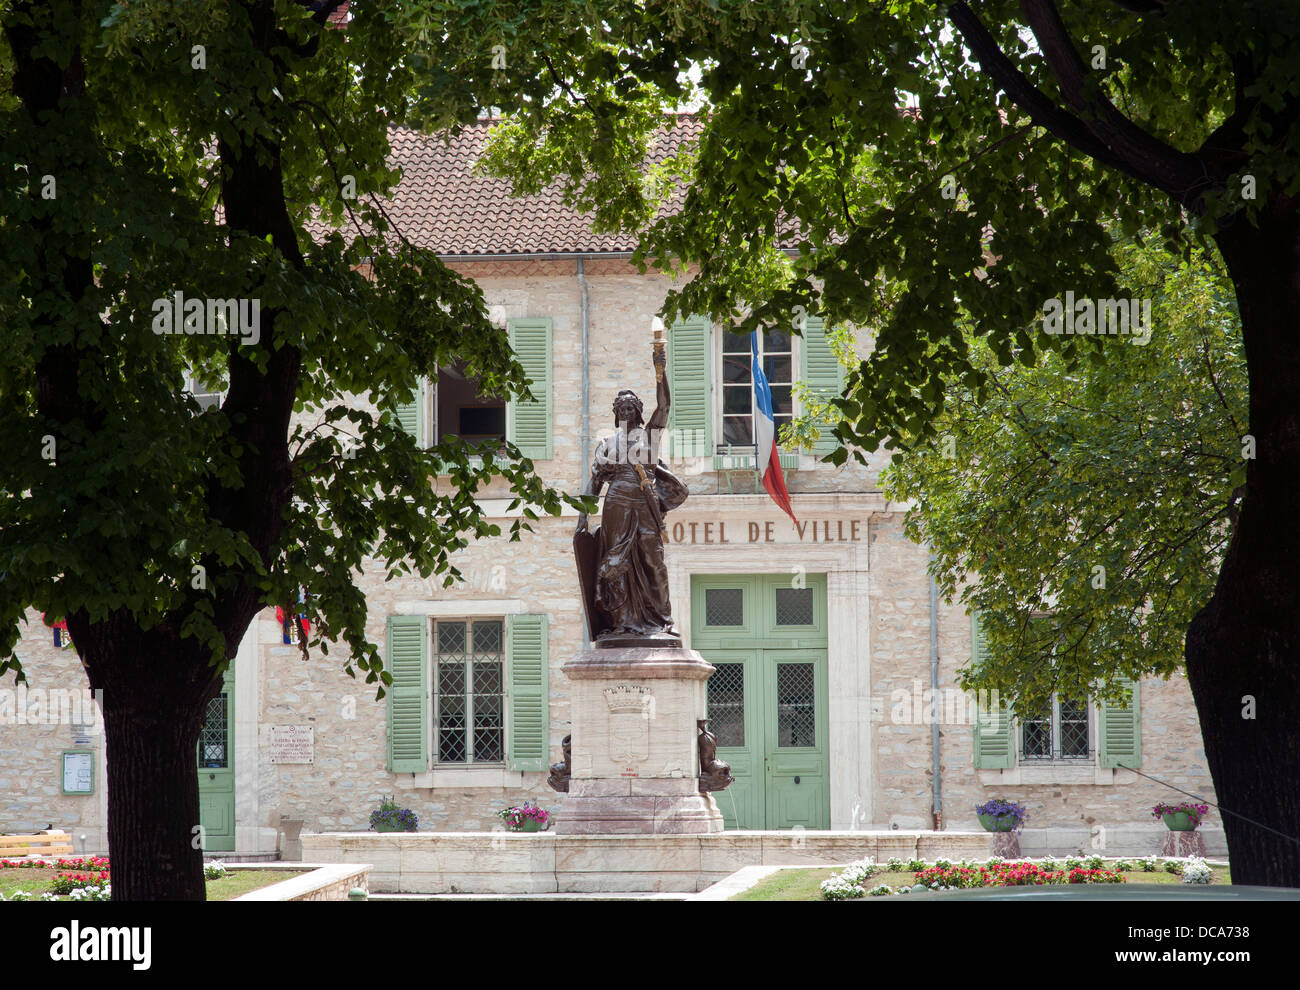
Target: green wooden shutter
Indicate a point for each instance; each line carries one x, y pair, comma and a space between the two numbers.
690, 417
995, 746
821, 373
1119, 730
530, 716
408, 703
528, 421
410, 416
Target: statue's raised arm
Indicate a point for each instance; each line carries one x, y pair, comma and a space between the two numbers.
659, 418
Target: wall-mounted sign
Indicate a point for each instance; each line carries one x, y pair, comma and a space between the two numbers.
778, 531
292, 743
78, 771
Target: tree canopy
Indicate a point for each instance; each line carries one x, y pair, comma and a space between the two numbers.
160, 148
1084, 511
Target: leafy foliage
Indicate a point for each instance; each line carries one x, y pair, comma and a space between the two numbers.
1082, 510
211, 150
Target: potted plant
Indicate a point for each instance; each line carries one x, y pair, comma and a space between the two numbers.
391, 818
1000, 816
527, 818
1182, 817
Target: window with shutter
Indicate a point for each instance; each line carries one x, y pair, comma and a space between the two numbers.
528, 731
1119, 730
690, 417
461, 408
821, 373
528, 421
408, 735
411, 415
995, 747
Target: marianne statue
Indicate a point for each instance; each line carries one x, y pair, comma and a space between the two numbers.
621, 565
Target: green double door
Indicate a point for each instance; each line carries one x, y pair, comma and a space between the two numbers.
767, 699
216, 765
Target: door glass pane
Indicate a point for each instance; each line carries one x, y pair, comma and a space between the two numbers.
212, 737
794, 606
724, 607
795, 705
727, 704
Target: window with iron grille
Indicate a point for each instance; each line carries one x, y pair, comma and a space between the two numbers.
469, 691
1058, 732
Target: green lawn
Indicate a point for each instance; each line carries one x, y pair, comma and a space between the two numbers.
789, 885
37, 882
804, 885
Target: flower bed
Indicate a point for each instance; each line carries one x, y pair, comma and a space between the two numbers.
79, 879
851, 883
97, 863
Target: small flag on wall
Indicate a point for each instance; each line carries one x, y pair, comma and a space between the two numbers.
768, 458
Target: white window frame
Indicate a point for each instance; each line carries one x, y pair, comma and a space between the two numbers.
435, 727
716, 389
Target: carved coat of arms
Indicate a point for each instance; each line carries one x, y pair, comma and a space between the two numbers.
631, 710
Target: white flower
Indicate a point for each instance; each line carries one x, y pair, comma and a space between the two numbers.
859, 872
881, 890
835, 889
1197, 871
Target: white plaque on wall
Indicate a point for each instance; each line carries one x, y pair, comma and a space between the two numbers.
78, 771
292, 743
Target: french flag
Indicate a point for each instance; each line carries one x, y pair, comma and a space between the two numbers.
768, 458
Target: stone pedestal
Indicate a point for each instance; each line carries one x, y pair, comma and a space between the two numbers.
1180, 845
1006, 845
635, 751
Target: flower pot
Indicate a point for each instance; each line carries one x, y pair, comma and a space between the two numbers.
1006, 823
389, 827
529, 825
1179, 821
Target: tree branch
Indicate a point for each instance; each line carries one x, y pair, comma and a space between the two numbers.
1182, 175
1115, 141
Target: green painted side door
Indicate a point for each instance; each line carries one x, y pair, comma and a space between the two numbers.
216, 766
733, 692
767, 700
796, 767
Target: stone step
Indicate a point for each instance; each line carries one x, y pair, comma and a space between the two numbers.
245, 857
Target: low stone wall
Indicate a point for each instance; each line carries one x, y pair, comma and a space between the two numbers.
543, 862
328, 882
1119, 840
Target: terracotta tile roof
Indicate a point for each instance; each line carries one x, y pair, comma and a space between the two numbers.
442, 205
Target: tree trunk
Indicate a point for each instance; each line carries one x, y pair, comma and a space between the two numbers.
1243, 648
154, 701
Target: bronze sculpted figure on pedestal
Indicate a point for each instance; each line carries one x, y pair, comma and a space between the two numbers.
562, 771
621, 565
715, 775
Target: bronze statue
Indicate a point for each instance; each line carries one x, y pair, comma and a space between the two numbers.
621, 565
560, 772
715, 775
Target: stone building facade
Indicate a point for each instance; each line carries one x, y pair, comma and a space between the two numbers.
821, 632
